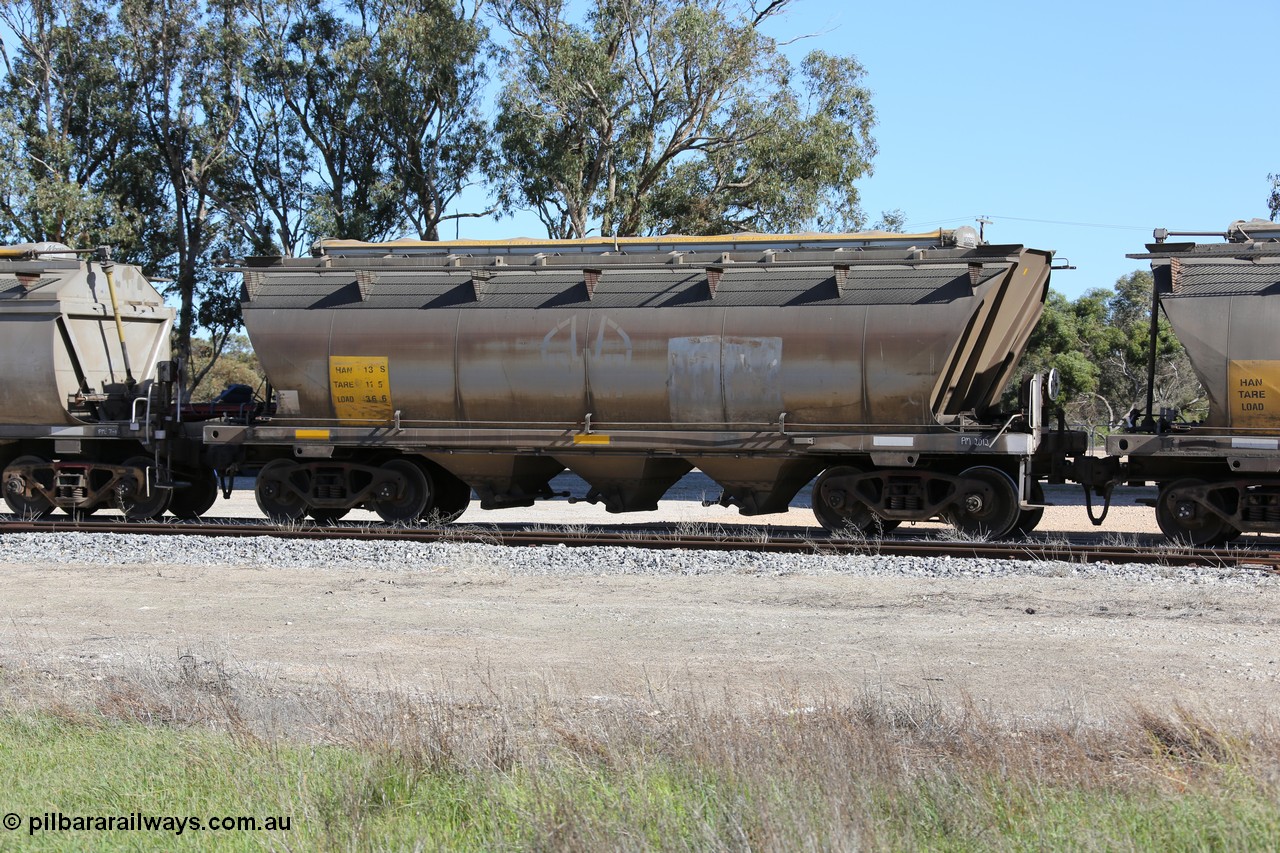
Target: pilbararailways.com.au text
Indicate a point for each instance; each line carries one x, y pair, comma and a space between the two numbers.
139, 822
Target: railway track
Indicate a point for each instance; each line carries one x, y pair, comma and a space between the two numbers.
767, 540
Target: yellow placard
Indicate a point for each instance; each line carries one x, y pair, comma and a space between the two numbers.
579, 438
1253, 393
360, 388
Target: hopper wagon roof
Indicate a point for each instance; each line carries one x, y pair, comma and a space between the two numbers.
733, 271
516, 288
1246, 262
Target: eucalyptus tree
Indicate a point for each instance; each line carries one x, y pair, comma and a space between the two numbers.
780, 159
277, 172
270, 190
1059, 342
1100, 344
1124, 361
77, 169
427, 87
654, 116
189, 79
314, 62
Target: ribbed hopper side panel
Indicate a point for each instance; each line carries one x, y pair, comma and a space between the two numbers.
892, 344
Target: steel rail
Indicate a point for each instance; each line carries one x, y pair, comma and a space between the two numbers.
765, 540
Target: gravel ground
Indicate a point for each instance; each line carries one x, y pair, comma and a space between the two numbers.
557, 561
1042, 639
682, 505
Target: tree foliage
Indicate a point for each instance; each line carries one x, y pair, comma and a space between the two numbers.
189, 87
221, 364
316, 63
426, 89
180, 132
676, 117
1100, 343
68, 122
360, 122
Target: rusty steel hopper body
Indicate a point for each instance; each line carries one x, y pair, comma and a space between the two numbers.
634, 359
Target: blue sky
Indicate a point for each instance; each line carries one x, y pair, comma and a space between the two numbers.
1078, 127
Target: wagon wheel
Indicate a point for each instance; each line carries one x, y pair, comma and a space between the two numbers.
452, 497
1184, 520
987, 506
326, 516
142, 501
195, 500
275, 498
404, 501
837, 509
32, 507
1029, 519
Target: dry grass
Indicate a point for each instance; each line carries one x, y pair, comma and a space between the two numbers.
549, 769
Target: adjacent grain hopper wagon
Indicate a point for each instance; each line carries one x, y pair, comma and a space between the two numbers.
1222, 476
409, 374
87, 390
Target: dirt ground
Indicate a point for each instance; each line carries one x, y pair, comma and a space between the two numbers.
1084, 648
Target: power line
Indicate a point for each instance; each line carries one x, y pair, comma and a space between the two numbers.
975, 218
1074, 224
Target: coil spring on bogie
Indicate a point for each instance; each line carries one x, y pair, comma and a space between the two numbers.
327, 492
1258, 507
904, 502
70, 486
1269, 513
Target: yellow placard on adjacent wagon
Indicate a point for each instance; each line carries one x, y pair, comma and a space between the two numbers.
360, 387
1253, 393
